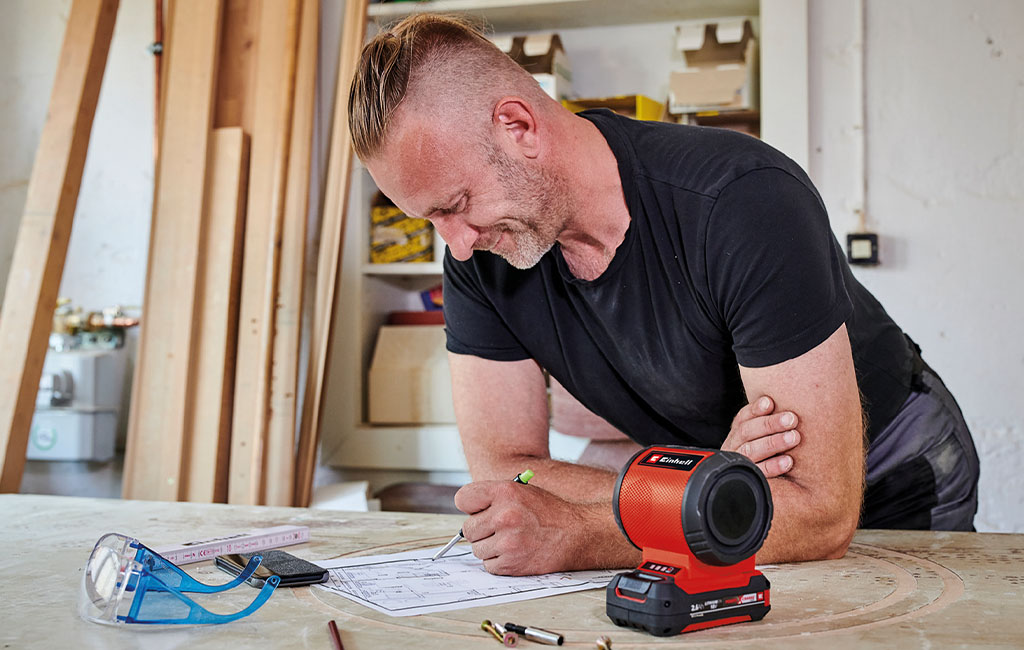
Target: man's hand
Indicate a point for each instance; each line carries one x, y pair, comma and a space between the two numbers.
764, 436
525, 530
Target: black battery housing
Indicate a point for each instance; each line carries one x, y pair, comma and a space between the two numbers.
659, 606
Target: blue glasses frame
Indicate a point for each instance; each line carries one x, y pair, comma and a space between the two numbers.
126, 582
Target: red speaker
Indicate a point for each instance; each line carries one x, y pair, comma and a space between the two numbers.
699, 516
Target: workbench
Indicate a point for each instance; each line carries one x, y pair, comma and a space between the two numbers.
892, 589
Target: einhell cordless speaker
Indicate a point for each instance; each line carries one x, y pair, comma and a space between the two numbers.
698, 515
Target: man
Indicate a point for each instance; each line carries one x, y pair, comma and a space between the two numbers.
663, 274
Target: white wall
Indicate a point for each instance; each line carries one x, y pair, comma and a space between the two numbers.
944, 98
30, 36
106, 261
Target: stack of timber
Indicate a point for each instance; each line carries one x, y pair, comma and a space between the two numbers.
215, 414
215, 406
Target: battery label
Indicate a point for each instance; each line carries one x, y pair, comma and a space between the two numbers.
685, 462
723, 604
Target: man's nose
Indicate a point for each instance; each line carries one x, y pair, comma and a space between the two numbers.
459, 236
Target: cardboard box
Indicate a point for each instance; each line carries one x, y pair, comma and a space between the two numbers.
640, 107
409, 378
722, 68
543, 56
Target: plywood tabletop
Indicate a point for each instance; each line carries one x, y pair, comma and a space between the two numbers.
892, 589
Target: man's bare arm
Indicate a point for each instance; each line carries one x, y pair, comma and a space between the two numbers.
502, 412
817, 503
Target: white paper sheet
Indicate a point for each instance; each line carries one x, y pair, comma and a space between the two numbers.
406, 584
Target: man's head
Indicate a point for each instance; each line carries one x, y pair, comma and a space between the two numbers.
453, 130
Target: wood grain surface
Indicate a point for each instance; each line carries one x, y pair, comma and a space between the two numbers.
893, 589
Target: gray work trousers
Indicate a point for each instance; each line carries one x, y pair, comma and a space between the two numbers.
922, 468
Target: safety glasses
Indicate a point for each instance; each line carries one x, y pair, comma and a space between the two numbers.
127, 582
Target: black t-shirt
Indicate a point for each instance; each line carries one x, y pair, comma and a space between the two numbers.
728, 260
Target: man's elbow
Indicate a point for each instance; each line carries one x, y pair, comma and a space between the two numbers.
838, 533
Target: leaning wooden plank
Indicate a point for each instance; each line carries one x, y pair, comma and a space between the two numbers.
268, 166
38, 263
332, 230
220, 269
236, 80
279, 461
161, 404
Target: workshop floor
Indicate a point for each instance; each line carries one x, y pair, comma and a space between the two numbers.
74, 478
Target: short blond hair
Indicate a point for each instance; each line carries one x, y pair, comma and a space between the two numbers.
420, 47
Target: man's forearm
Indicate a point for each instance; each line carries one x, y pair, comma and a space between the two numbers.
590, 534
572, 482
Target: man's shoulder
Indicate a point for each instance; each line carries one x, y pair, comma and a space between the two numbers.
695, 158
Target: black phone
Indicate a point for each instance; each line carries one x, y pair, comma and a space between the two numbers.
293, 571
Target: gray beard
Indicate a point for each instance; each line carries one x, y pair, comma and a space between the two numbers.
542, 206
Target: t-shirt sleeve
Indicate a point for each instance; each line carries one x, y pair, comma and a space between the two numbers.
472, 324
774, 268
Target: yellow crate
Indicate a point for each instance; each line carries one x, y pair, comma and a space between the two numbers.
640, 107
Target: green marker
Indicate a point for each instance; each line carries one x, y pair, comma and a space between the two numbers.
522, 477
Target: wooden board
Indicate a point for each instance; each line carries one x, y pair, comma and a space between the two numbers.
236, 80
893, 589
161, 404
275, 65
212, 384
339, 168
279, 461
38, 261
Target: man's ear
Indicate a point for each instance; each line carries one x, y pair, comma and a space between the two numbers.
515, 120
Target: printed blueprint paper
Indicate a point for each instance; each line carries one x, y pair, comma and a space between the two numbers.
406, 584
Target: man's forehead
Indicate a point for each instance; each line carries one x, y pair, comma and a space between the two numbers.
418, 165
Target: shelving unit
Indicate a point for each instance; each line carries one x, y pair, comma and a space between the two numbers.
369, 291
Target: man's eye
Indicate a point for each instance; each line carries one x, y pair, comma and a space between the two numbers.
458, 207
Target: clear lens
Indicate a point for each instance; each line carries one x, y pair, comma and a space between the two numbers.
107, 577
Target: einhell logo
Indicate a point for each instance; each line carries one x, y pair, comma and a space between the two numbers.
684, 462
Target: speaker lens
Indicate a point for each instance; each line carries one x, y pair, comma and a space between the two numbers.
726, 509
733, 507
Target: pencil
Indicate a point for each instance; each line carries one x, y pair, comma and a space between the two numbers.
332, 627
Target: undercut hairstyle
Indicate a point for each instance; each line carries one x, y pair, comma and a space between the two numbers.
445, 61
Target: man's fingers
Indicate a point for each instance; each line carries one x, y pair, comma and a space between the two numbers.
474, 497
760, 406
477, 528
776, 466
486, 548
767, 446
764, 426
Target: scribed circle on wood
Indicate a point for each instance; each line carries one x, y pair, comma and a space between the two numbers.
872, 587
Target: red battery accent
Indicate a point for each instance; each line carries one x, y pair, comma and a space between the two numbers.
699, 516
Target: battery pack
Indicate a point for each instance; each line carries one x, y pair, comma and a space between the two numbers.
658, 605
